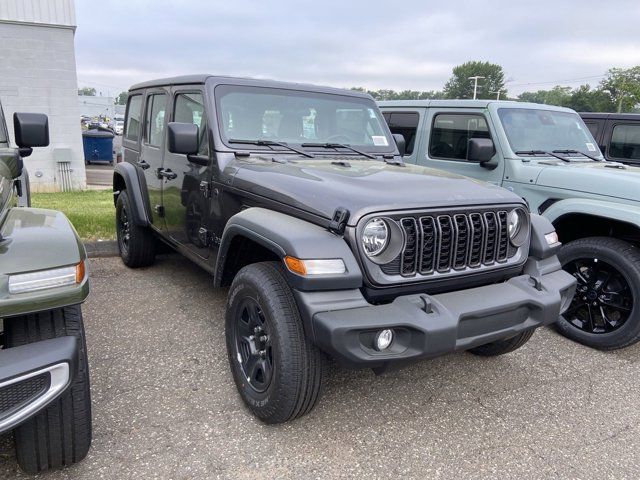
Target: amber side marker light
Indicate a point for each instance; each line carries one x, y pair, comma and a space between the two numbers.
309, 267
44, 279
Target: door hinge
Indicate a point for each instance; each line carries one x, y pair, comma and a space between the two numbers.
159, 210
205, 189
339, 220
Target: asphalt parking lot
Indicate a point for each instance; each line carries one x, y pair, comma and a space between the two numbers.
165, 405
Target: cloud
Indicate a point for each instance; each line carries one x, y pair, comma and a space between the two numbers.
411, 44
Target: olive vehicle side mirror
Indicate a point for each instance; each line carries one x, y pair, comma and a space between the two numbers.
480, 150
401, 143
31, 130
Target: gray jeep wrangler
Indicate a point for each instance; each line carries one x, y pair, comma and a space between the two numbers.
548, 156
296, 198
44, 375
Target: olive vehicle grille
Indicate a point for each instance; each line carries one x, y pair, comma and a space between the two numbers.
19, 394
444, 243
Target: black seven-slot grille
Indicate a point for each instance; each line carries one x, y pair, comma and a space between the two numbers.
21, 393
448, 242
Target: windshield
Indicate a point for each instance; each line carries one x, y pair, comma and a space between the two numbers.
546, 130
297, 117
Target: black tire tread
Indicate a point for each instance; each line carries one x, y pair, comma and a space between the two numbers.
60, 435
142, 243
301, 390
501, 347
631, 255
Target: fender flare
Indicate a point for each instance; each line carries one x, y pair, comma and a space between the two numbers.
286, 235
598, 208
134, 185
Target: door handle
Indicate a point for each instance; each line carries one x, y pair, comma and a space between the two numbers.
167, 173
143, 164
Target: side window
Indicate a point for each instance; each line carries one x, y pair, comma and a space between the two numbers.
625, 142
406, 124
451, 132
593, 128
154, 119
132, 129
189, 108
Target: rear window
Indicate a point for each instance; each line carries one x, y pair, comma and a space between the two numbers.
134, 107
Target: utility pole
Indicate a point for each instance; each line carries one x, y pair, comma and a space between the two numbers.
475, 84
497, 94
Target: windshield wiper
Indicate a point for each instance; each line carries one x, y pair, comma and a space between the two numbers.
339, 145
271, 143
542, 152
568, 151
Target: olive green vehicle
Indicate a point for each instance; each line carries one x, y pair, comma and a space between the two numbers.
44, 377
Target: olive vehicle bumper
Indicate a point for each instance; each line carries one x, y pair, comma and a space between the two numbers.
32, 376
420, 326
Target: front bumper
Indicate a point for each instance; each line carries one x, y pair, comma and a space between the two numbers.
32, 376
431, 325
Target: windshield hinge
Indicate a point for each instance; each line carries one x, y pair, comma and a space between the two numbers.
339, 220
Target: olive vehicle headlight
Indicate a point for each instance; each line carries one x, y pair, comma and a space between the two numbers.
517, 226
375, 237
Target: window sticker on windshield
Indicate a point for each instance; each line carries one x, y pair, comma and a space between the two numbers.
379, 140
591, 147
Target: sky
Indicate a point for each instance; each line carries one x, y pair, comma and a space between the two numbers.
413, 44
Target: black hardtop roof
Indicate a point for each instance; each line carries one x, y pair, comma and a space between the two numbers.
225, 80
611, 116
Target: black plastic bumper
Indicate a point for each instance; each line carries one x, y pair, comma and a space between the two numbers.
432, 325
32, 376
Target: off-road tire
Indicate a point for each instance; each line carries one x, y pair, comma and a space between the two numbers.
300, 369
500, 347
60, 435
624, 257
139, 248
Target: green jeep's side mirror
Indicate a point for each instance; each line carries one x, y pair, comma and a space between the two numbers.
480, 150
10, 163
401, 143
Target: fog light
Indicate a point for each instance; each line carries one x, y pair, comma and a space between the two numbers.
383, 339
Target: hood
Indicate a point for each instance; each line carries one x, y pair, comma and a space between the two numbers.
361, 186
615, 180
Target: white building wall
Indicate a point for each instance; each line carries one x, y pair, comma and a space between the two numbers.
38, 74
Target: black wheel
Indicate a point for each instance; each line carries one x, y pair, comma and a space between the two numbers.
603, 313
500, 347
137, 244
278, 372
61, 434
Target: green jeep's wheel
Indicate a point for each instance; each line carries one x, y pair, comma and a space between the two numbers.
60, 435
137, 244
278, 372
604, 312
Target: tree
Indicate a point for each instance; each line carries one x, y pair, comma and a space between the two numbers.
624, 87
585, 99
459, 85
402, 95
87, 91
121, 99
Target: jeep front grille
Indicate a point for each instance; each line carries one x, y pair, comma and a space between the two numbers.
448, 242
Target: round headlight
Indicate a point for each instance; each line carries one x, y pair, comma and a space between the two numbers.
375, 237
516, 223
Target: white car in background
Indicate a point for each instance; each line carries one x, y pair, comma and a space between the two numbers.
118, 126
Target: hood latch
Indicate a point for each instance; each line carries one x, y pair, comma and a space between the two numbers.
339, 220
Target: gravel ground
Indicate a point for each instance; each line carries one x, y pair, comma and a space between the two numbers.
165, 406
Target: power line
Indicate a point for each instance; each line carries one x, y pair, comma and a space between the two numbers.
556, 82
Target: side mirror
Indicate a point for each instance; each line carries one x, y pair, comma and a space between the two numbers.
480, 150
183, 138
11, 163
31, 130
401, 143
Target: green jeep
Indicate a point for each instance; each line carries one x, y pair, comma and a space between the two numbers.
547, 156
44, 376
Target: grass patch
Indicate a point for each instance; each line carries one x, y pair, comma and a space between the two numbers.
91, 211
